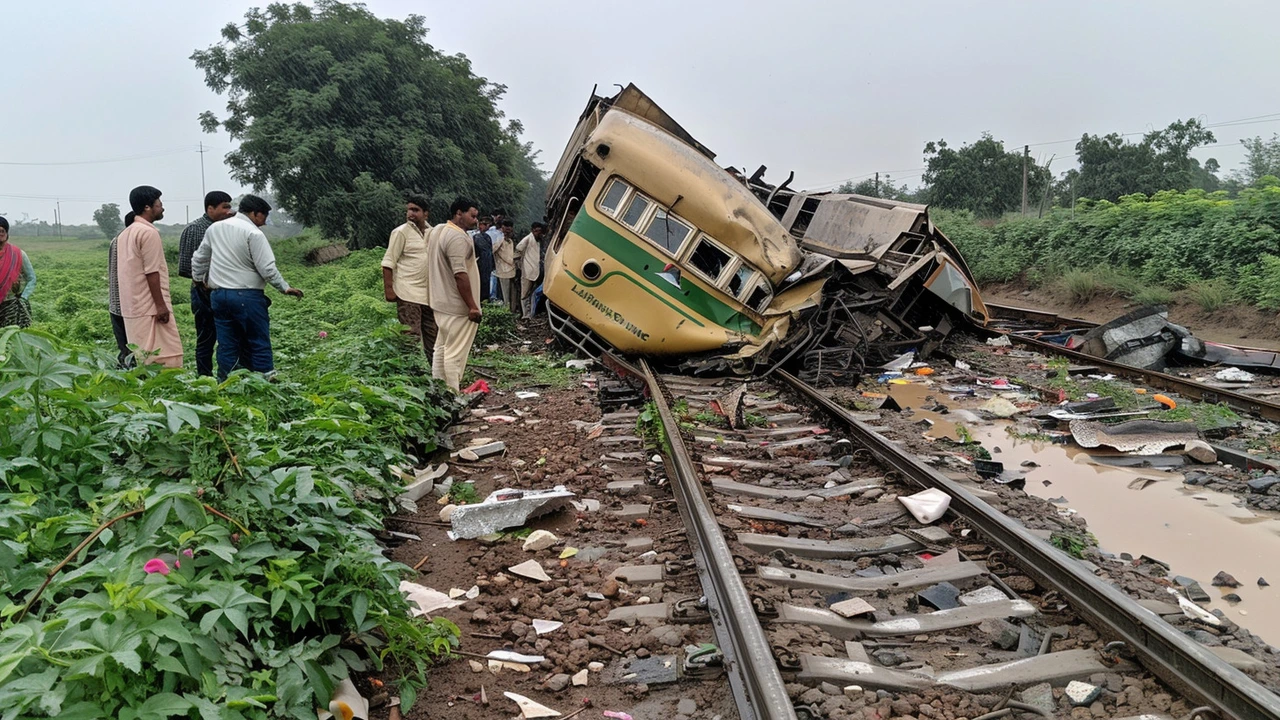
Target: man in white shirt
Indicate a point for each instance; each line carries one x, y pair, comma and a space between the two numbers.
235, 262
529, 255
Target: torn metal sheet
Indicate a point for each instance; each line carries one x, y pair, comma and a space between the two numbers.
1056, 668
1146, 437
506, 508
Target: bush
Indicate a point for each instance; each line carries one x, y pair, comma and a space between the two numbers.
1210, 295
497, 324
1081, 285
1153, 295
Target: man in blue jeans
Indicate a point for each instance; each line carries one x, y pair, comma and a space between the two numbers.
235, 262
217, 207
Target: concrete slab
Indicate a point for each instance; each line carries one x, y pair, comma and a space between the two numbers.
633, 511
652, 611
1237, 659
854, 628
730, 487
759, 513
830, 549
639, 574
899, 581
506, 508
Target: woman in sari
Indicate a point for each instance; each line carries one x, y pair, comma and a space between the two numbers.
17, 281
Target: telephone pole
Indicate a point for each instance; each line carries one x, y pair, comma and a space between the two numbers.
57, 218
203, 151
877, 184
1026, 155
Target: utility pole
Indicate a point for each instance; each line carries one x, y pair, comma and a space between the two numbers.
877, 184
202, 152
57, 218
1026, 155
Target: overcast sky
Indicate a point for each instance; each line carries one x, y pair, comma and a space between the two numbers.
831, 90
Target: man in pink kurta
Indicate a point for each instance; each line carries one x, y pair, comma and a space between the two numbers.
143, 276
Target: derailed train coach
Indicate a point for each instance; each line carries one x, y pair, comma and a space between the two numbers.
657, 250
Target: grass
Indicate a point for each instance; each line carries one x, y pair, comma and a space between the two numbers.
1210, 295
464, 493
1072, 544
649, 426
1153, 295
1206, 416
1081, 285
507, 369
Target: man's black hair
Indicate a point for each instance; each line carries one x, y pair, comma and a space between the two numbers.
254, 204
215, 198
507, 223
141, 197
462, 205
539, 225
420, 200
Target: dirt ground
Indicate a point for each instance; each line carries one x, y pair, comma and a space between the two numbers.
1234, 324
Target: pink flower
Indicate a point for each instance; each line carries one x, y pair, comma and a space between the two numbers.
188, 552
323, 334
156, 565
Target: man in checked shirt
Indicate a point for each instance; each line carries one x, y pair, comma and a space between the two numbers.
217, 206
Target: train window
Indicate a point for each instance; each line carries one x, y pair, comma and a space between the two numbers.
759, 297
738, 282
635, 211
667, 230
709, 259
613, 196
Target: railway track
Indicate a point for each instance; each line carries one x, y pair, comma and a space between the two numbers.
792, 511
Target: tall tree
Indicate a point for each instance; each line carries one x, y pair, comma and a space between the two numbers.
1261, 158
341, 113
882, 188
108, 219
534, 207
982, 177
1111, 166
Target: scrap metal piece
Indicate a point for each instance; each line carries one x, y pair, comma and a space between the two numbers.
899, 581
1146, 437
833, 549
730, 406
1140, 338
505, 508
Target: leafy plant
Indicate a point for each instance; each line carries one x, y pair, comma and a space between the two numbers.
173, 546
1210, 295
464, 493
649, 426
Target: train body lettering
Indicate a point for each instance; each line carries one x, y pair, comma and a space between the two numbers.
609, 313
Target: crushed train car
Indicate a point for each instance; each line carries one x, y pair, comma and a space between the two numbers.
657, 250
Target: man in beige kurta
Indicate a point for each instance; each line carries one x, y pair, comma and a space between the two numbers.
143, 277
405, 279
529, 254
454, 291
504, 265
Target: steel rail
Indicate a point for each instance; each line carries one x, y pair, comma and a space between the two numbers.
1162, 381
753, 674
1169, 654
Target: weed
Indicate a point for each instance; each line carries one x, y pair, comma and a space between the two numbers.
1206, 416
464, 493
649, 426
508, 369
1210, 295
1082, 286
1153, 295
497, 325
1072, 543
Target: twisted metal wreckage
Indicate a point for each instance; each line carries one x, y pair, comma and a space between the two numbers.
658, 251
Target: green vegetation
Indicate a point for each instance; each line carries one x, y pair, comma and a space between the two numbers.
650, 428
497, 325
464, 493
1206, 416
1153, 295
1073, 544
1174, 240
425, 120
508, 369
260, 500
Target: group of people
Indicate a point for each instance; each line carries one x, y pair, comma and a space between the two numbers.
501, 260
439, 276
229, 261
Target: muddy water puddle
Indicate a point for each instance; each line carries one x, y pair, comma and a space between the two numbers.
1141, 511
1150, 512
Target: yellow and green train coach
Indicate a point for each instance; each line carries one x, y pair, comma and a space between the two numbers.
656, 250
